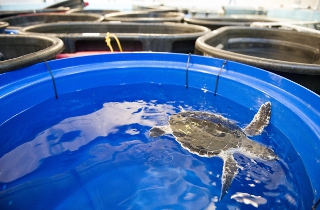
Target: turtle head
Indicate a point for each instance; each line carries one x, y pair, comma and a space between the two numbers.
257, 150
156, 131
265, 153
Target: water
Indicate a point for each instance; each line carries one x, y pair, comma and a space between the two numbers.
91, 150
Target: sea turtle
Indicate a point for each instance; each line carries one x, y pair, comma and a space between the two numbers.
208, 135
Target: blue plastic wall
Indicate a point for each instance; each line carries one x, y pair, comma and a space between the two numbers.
296, 110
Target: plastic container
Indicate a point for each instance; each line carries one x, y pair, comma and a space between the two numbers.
203, 14
154, 8
68, 3
168, 37
17, 51
244, 10
295, 112
95, 11
8, 13
217, 22
3, 26
17, 22
33, 19
145, 17
288, 53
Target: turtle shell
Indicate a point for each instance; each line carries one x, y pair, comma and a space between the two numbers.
205, 134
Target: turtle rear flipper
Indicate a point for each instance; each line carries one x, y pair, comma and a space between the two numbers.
260, 120
229, 171
157, 131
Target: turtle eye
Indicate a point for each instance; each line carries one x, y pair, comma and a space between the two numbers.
222, 135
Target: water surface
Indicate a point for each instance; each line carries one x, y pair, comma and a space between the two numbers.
91, 149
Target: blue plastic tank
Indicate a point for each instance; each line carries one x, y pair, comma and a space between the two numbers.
210, 84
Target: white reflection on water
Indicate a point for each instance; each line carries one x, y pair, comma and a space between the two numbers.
249, 199
212, 205
27, 157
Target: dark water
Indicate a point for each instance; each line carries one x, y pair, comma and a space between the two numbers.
91, 150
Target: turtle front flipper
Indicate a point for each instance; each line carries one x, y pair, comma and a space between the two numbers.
157, 131
260, 120
229, 171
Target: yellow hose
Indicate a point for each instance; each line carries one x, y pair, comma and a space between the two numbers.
108, 41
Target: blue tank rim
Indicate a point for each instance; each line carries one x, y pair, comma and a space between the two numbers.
300, 92
303, 102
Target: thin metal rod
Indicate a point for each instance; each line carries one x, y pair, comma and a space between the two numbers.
218, 76
314, 207
53, 80
187, 71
